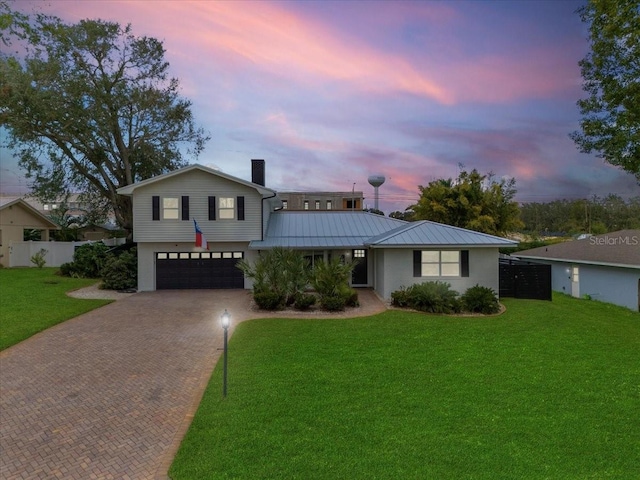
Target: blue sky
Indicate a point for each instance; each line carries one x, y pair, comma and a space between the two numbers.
331, 92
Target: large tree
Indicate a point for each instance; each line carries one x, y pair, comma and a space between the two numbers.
610, 124
474, 201
90, 107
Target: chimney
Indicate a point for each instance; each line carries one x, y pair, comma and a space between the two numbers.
257, 172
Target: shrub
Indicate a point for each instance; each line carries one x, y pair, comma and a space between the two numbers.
280, 271
479, 299
332, 303
68, 270
433, 297
120, 272
268, 300
401, 298
350, 296
88, 259
304, 301
38, 259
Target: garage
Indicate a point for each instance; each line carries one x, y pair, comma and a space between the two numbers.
191, 270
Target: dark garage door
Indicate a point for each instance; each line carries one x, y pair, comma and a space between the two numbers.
189, 270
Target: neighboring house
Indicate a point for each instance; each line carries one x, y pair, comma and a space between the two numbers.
604, 267
16, 216
321, 200
240, 218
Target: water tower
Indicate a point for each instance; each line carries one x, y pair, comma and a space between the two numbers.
376, 181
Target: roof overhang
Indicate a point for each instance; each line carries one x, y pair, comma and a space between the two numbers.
581, 262
129, 189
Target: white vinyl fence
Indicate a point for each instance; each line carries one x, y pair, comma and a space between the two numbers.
20, 253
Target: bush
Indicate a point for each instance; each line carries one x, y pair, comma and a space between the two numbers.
304, 301
281, 271
38, 259
268, 300
401, 298
433, 297
120, 272
89, 259
333, 303
480, 300
68, 270
350, 297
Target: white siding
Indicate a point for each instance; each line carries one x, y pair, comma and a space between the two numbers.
198, 186
398, 271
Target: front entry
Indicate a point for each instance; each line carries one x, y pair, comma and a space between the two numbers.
360, 274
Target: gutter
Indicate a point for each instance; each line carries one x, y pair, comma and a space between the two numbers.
262, 215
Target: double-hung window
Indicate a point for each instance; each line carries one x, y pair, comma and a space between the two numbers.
441, 263
226, 208
170, 208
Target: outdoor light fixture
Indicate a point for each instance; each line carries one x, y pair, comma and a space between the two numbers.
225, 320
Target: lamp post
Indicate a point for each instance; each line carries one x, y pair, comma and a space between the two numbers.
225, 320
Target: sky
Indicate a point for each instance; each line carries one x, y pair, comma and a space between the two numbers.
330, 92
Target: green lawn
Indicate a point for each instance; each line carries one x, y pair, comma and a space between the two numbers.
547, 390
32, 300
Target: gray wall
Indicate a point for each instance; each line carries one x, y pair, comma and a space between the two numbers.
608, 284
397, 266
198, 185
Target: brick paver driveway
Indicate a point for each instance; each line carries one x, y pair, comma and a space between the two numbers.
110, 394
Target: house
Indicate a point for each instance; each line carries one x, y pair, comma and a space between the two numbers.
321, 200
240, 218
16, 216
603, 267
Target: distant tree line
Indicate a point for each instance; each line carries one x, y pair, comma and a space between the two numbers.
595, 215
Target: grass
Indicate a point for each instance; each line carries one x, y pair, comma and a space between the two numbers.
32, 300
546, 390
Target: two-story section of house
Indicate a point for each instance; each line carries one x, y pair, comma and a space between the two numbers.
229, 211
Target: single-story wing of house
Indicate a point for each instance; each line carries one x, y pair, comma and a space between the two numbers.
239, 219
603, 267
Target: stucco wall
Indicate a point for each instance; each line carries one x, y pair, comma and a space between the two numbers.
398, 271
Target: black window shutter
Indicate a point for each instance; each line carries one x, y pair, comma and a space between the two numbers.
417, 263
155, 207
212, 208
185, 208
464, 263
240, 206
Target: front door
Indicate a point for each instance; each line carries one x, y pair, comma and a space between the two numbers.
360, 275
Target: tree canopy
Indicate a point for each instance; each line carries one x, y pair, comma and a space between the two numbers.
610, 124
473, 201
90, 107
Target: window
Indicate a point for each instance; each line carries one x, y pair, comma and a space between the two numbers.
575, 274
440, 263
351, 204
329, 205
227, 208
285, 205
317, 204
306, 204
358, 254
170, 208
46, 206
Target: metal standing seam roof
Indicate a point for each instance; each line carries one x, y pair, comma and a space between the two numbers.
358, 229
435, 234
323, 229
